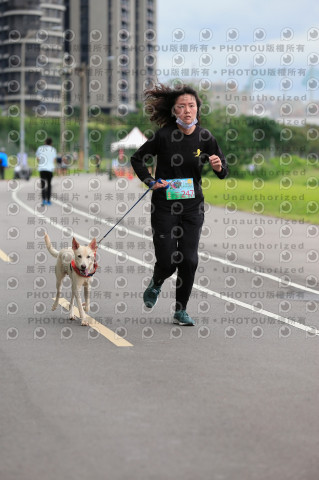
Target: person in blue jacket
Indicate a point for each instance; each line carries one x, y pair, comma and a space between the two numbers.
3, 163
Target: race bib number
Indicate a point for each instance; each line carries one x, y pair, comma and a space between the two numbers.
180, 188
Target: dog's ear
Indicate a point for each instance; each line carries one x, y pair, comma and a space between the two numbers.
93, 244
75, 244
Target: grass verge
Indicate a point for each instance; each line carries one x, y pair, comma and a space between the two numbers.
289, 198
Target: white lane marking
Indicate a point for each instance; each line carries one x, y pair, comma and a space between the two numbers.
201, 254
78, 235
300, 326
102, 220
310, 329
262, 274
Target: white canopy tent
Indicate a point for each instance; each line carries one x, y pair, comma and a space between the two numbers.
133, 140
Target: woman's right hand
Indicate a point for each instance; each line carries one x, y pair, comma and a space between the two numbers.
161, 184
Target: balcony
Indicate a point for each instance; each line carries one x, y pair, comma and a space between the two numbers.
10, 13
53, 6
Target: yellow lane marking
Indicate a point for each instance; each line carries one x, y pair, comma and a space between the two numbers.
106, 332
4, 256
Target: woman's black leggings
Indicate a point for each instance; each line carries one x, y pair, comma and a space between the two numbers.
176, 238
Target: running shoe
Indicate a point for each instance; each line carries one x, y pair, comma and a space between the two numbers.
151, 294
182, 318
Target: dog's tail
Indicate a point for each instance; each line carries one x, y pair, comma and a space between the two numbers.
52, 250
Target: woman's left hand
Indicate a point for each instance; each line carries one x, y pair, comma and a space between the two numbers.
215, 163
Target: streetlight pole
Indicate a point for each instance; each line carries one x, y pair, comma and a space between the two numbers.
22, 99
82, 71
64, 72
84, 143
22, 94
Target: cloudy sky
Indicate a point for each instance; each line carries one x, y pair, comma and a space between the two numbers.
222, 40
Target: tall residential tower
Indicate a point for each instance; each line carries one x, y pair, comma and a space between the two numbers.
104, 47
115, 40
31, 52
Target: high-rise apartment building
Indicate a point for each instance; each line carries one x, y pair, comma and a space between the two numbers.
112, 43
115, 40
31, 53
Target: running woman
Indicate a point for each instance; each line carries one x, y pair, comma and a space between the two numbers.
182, 147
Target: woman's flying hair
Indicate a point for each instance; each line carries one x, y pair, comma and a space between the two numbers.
160, 100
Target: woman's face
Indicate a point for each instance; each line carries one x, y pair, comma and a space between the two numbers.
185, 108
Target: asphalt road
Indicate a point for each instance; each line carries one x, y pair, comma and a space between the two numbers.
232, 398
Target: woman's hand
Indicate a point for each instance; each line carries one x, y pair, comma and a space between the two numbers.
157, 185
215, 163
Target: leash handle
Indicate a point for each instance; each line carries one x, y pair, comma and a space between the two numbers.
151, 184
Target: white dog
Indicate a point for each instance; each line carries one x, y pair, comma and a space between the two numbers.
79, 263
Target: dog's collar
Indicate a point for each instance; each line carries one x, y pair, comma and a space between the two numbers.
78, 271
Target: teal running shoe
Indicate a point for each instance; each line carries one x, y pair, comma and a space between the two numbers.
182, 318
151, 294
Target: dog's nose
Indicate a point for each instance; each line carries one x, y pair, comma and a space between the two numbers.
83, 267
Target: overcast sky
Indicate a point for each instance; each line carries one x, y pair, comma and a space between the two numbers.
225, 36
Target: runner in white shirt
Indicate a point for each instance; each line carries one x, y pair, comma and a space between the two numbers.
46, 157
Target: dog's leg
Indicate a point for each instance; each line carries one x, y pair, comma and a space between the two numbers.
80, 307
86, 303
58, 292
71, 314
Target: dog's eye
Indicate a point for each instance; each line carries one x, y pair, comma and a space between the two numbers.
79, 256
89, 256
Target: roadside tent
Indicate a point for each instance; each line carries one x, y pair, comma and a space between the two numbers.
132, 141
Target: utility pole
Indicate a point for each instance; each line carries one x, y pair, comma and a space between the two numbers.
22, 156
62, 119
22, 92
64, 74
22, 98
84, 143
